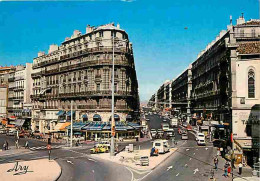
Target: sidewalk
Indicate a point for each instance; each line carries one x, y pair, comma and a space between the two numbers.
31, 170
246, 172
13, 151
131, 159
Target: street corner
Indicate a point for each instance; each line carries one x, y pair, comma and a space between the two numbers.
43, 169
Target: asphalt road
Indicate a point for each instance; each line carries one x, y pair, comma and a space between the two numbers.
189, 162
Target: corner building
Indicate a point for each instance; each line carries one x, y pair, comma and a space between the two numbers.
80, 71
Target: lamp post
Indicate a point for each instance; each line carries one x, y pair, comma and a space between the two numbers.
112, 146
113, 126
71, 124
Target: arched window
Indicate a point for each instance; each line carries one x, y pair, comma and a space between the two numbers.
251, 84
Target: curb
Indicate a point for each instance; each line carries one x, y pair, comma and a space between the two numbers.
57, 178
164, 159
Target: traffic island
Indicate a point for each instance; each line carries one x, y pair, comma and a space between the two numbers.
132, 159
43, 169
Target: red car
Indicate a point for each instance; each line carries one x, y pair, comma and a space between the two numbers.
189, 127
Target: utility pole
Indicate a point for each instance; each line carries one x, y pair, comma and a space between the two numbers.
71, 124
112, 146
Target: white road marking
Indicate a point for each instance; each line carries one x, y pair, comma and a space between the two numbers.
206, 148
168, 168
92, 160
70, 162
131, 173
196, 170
177, 174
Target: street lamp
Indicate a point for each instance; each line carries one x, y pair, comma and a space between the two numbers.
113, 127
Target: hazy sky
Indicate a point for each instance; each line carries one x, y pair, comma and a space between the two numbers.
162, 47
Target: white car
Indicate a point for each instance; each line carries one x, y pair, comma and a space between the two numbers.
200, 138
184, 136
153, 132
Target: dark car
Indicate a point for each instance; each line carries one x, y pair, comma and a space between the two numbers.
219, 143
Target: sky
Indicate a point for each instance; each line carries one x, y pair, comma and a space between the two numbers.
163, 47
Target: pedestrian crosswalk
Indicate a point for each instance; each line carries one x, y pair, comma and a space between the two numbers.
45, 147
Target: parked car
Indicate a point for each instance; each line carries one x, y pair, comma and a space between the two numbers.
165, 126
2, 131
10, 132
99, 149
199, 136
153, 133
161, 145
184, 136
159, 133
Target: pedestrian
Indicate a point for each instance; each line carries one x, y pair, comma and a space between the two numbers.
229, 170
26, 144
240, 166
17, 144
216, 162
218, 152
225, 171
6, 145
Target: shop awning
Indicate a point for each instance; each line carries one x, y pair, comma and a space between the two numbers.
244, 143
97, 116
60, 113
19, 122
12, 117
77, 126
10, 126
63, 127
4, 121
69, 113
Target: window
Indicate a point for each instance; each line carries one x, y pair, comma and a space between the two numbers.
253, 33
113, 34
242, 33
98, 87
101, 34
251, 84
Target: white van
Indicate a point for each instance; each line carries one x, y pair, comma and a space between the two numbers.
161, 145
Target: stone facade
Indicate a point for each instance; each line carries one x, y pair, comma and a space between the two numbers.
80, 71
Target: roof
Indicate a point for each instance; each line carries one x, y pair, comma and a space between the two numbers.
252, 22
249, 47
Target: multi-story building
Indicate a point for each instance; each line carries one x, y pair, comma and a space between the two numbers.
180, 93
4, 71
19, 91
224, 87
79, 71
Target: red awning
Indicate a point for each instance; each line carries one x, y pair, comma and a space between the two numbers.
12, 117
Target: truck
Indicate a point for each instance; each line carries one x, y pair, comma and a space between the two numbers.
174, 122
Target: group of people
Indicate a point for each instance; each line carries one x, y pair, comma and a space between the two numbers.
227, 167
6, 145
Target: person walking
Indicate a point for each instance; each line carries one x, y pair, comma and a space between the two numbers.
225, 171
17, 144
26, 144
216, 162
240, 166
6, 145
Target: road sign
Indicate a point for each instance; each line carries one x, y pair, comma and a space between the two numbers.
48, 147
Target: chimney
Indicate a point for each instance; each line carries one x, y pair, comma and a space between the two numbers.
89, 29
76, 33
40, 53
118, 25
241, 20
53, 48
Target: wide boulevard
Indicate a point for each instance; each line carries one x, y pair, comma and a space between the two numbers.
189, 162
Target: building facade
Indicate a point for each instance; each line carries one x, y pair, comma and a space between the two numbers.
79, 71
222, 86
